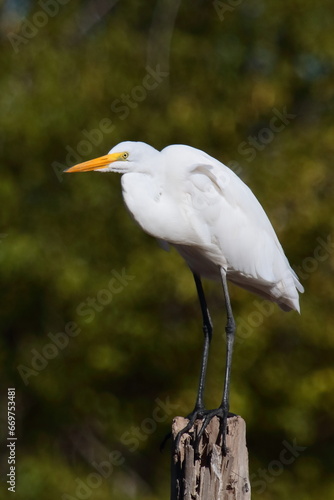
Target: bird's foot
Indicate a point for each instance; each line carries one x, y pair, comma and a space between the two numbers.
197, 413
206, 416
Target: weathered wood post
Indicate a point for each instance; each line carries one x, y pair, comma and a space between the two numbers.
211, 476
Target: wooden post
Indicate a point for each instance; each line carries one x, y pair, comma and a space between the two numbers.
212, 476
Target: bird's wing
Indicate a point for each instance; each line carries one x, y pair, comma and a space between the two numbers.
226, 214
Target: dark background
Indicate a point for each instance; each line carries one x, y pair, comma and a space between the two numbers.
73, 84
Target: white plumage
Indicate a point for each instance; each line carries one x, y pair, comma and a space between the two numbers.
190, 200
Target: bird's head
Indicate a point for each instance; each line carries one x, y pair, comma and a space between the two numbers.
125, 157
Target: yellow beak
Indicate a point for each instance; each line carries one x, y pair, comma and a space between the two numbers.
95, 164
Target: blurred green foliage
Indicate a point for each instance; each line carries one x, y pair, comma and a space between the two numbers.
227, 68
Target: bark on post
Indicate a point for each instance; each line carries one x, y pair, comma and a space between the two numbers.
212, 476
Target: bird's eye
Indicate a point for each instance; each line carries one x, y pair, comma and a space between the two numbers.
125, 156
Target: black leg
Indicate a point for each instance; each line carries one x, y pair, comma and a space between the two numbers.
207, 330
223, 411
230, 334
199, 410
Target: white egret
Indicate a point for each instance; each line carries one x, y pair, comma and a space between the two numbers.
190, 200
